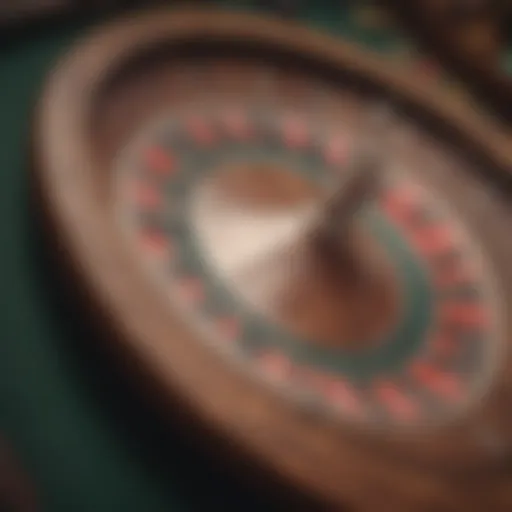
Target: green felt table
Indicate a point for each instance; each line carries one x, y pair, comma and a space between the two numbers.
87, 441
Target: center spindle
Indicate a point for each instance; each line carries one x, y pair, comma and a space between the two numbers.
300, 258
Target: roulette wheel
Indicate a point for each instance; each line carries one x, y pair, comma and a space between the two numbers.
472, 38
303, 250
294, 257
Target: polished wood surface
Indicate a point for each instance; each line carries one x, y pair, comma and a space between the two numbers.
96, 100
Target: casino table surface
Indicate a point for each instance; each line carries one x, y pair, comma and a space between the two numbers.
86, 439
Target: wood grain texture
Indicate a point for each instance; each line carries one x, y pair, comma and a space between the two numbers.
337, 465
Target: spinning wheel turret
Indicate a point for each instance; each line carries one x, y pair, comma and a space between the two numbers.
327, 291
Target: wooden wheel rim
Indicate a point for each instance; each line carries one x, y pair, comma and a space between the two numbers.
262, 424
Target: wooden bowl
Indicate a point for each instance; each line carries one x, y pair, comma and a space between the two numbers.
144, 111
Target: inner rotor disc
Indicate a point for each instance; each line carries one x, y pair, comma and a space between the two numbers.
220, 201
